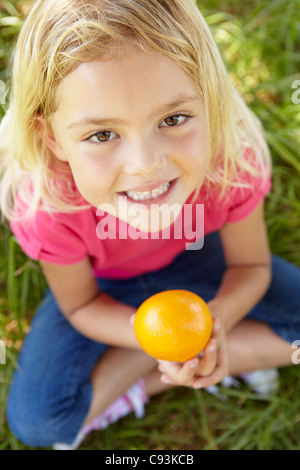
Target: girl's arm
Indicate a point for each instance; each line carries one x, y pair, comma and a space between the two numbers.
248, 273
94, 314
244, 283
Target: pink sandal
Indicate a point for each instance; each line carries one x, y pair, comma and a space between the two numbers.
134, 399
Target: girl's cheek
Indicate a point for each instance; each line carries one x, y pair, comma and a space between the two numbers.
93, 162
196, 149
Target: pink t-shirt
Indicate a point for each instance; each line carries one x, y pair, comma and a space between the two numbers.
118, 251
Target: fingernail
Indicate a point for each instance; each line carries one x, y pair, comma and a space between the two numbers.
193, 364
166, 380
212, 348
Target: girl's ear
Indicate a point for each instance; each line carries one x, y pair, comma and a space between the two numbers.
46, 133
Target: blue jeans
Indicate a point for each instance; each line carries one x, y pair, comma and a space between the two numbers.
51, 390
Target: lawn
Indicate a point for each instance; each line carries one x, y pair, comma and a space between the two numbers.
260, 43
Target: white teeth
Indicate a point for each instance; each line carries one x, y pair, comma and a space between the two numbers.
146, 195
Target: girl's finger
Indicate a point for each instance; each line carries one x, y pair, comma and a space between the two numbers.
169, 368
216, 332
209, 360
166, 379
219, 374
179, 373
187, 372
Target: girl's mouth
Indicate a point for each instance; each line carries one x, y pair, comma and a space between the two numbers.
156, 195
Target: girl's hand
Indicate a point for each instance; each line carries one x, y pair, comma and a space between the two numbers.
209, 368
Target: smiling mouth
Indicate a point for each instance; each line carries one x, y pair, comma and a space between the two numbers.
150, 195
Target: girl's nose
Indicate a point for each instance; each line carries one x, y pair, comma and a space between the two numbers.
144, 157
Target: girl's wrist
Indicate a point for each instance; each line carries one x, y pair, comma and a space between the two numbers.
217, 311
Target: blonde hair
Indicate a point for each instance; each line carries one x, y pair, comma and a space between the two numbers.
58, 35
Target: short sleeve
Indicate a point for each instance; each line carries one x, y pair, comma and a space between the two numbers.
50, 237
243, 200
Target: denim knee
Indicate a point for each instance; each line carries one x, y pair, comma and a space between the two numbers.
39, 420
35, 424
26, 422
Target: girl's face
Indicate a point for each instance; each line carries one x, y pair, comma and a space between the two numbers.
134, 132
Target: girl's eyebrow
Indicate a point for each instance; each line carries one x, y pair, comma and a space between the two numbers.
180, 100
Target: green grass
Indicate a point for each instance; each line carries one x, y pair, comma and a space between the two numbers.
260, 43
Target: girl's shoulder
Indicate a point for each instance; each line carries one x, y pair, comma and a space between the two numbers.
58, 237
234, 200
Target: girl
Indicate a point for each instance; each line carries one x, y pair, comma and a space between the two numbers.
119, 109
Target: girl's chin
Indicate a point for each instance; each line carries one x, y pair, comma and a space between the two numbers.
144, 218
154, 220
149, 217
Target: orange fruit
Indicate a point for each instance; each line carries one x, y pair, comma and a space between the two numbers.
173, 325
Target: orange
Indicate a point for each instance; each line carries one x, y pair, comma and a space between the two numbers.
173, 325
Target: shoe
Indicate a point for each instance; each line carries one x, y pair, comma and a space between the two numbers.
133, 400
264, 381
227, 382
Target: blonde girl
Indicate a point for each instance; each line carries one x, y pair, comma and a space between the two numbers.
118, 109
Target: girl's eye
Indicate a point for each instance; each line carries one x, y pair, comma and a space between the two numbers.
172, 121
104, 136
